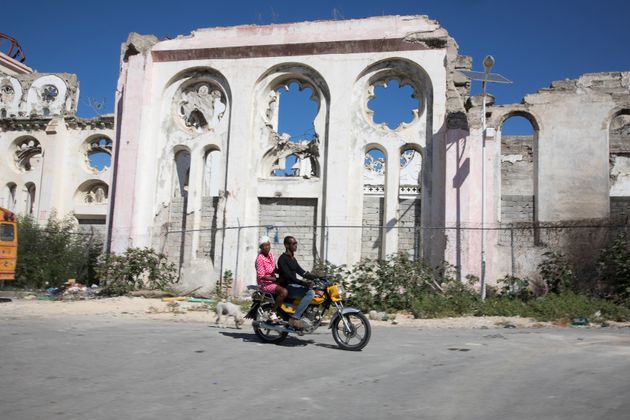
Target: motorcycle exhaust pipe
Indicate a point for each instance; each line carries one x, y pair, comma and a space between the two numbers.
264, 325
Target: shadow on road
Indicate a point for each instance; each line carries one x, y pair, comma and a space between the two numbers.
252, 338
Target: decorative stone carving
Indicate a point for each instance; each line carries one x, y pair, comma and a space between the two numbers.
410, 171
306, 152
25, 152
374, 164
374, 167
48, 93
97, 194
7, 93
10, 96
200, 106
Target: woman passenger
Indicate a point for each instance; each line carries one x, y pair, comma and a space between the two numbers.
265, 275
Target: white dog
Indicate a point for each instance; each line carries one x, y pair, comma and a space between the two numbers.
230, 310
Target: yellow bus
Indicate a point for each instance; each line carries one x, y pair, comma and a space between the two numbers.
8, 244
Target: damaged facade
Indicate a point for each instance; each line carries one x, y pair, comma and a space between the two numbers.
200, 147
48, 151
206, 169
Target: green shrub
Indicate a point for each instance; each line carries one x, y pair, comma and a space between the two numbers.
556, 272
570, 305
394, 283
48, 256
515, 288
135, 268
613, 267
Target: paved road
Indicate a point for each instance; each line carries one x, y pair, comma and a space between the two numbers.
113, 369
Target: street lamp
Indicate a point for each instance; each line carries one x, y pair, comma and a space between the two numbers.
485, 77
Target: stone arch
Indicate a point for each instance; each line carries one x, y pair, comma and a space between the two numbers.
47, 96
277, 147
197, 101
27, 153
499, 116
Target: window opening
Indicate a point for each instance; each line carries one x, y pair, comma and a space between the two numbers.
30, 198
182, 173
518, 162
7, 233
99, 154
393, 104
292, 111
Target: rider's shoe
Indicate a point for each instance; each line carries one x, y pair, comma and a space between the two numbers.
300, 324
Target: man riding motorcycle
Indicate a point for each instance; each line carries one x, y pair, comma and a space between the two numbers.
288, 267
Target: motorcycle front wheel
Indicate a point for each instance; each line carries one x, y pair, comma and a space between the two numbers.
266, 335
358, 334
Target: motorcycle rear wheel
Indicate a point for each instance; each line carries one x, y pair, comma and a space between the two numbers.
357, 337
266, 335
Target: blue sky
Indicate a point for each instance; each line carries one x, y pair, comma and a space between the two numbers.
534, 42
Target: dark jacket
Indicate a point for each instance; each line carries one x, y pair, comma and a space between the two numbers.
288, 267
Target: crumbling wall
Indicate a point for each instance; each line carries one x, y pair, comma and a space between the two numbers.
372, 232
409, 226
38, 95
209, 236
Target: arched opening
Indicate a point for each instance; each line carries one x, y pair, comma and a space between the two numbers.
98, 152
619, 166
393, 103
297, 106
210, 203
11, 189
29, 205
410, 202
374, 169
178, 218
518, 168
92, 192
291, 114
181, 174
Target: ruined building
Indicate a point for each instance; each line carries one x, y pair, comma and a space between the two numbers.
52, 160
203, 169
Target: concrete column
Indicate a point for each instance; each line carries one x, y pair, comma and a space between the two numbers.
195, 193
390, 212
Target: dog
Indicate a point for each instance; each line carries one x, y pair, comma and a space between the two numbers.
230, 310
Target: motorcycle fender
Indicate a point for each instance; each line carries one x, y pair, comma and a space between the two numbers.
343, 311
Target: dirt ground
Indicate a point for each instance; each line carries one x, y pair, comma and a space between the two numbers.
157, 309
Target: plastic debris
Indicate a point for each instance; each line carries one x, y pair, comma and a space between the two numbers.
579, 322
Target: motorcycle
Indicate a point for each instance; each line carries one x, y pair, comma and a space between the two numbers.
350, 328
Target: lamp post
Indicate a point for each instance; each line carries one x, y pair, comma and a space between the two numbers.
488, 62
485, 77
